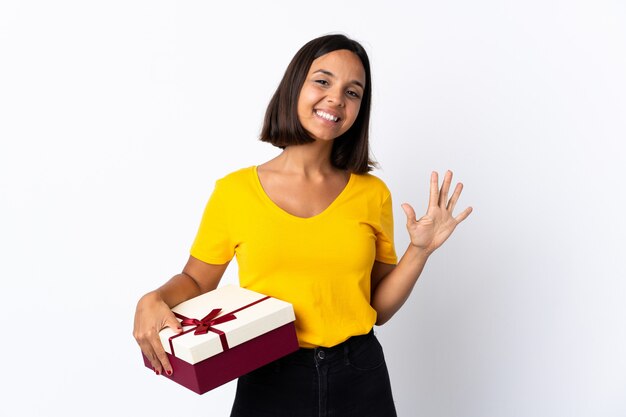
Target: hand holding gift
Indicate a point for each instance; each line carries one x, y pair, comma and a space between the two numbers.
152, 316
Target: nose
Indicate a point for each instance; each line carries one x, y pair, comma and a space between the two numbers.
335, 96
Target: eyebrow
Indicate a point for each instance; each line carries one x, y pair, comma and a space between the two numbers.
330, 74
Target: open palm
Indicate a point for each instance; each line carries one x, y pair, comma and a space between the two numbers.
431, 230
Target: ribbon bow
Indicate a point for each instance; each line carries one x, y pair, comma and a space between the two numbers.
204, 325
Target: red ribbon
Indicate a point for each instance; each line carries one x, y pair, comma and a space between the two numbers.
206, 324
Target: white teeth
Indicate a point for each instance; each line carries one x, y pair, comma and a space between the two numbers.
326, 116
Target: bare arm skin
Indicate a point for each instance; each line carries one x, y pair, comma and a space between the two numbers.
392, 284
153, 309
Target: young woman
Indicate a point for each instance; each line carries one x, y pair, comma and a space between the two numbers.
314, 228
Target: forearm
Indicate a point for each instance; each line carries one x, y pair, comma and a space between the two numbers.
196, 278
394, 288
179, 288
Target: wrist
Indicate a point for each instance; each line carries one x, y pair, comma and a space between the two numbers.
418, 252
151, 297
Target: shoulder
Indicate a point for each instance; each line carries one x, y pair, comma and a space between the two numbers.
232, 187
371, 184
240, 177
370, 189
241, 174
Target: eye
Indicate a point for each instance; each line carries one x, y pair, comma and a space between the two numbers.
353, 94
322, 82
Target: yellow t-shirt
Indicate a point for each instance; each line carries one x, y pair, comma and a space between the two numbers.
322, 264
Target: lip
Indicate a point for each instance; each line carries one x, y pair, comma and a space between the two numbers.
332, 113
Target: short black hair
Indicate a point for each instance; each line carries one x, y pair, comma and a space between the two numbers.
282, 126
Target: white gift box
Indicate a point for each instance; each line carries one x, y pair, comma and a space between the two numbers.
251, 322
259, 330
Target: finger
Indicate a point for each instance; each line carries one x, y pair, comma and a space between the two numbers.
147, 347
455, 196
434, 192
147, 351
142, 341
463, 215
445, 187
161, 362
410, 213
172, 323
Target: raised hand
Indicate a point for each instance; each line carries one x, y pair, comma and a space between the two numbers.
431, 230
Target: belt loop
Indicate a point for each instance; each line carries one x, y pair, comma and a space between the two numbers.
346, 353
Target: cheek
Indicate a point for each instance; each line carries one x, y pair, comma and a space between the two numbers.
304, 103
354, 111
307, 98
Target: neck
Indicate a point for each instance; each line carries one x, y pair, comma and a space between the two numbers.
309, 159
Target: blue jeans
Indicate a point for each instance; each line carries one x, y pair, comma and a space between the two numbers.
349, 379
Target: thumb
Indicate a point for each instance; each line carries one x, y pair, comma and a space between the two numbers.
410, 213
172, 323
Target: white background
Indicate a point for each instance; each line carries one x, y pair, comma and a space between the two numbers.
117, 117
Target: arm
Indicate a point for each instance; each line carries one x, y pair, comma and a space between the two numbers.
153, 309
395, 283
392, 285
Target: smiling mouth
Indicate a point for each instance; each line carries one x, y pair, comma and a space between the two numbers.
327, 116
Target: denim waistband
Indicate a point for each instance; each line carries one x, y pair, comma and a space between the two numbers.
329, 354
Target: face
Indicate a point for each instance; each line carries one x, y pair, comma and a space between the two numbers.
331, 95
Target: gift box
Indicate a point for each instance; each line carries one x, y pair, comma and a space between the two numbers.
227, 333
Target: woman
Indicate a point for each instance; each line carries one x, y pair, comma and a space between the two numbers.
313, 228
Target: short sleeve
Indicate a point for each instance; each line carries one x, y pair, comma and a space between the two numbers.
214, 242
385, 248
